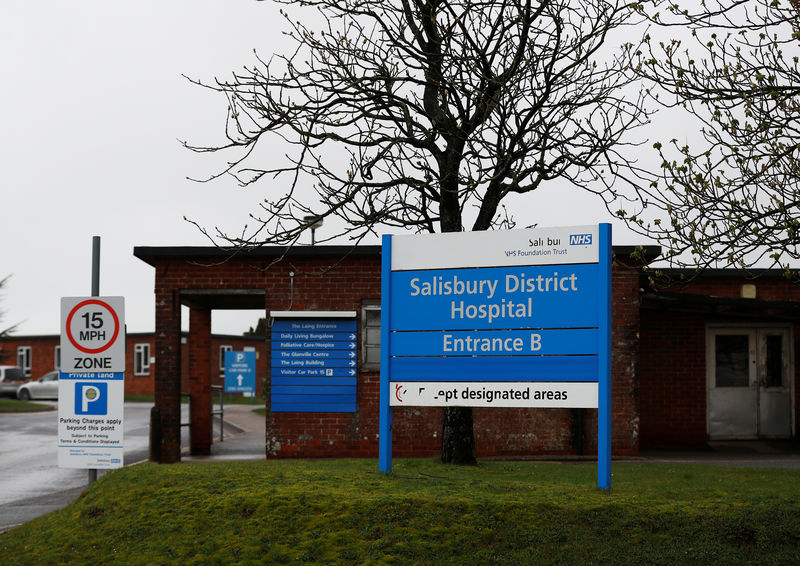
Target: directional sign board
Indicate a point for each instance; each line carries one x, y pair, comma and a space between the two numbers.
314, 364
240, 372
517, 318
91, 389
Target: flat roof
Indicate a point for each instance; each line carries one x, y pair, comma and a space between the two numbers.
151, 254
722, 306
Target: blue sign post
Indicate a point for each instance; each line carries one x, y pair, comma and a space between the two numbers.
240, 372
519, 318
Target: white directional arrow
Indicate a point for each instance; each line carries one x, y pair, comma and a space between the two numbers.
352, 363
352, 372
352, 337
352, 354
352, 344
240, 378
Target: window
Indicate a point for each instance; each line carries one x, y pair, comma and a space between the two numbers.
222, 349
141, 359
732, 360
24, 359
773, 364
371, 334
57, 357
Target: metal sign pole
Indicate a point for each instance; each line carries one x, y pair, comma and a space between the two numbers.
95, 293
604, 362
91, 388
385, 412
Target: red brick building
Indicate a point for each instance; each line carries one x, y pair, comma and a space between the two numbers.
717, 359
713, 359
39, 354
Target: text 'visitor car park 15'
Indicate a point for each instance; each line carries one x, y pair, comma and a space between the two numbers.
46, 387
11, 377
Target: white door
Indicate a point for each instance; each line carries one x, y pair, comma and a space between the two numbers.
774, 384
749, 385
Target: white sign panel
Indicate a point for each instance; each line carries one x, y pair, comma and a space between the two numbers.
90, 424
91, 389
92, 334
532, 246
576, 395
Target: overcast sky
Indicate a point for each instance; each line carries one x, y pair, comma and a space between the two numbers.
91, 107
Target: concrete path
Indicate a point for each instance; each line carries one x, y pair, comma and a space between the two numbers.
243, 436
761, 453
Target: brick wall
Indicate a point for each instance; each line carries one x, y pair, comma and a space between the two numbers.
672, 372
42, 352
43, 358
772, 287
625, 357
319, 284
672, 382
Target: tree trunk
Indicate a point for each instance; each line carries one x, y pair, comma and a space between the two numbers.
458, 439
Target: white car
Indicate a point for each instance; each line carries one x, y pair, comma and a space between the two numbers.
46, 387
11, 377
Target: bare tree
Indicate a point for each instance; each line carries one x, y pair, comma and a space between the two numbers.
732, 199
426, 115
8, 330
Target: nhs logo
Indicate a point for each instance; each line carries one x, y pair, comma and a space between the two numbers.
580, 239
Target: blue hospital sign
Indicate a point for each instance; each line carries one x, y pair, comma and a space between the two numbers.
518, 318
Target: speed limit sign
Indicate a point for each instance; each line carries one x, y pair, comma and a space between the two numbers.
92, 334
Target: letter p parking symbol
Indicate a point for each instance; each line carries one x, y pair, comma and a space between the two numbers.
91, 398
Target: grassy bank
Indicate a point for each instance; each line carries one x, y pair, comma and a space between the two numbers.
345, 511
17, 406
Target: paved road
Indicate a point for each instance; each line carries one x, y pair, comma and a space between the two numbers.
31, 483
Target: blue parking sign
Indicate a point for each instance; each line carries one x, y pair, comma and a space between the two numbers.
91, 398
240, 372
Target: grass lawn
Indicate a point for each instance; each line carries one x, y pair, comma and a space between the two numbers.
17, 406
346, 512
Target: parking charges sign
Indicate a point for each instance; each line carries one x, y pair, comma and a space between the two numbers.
517, 318
90, 423
91, 389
